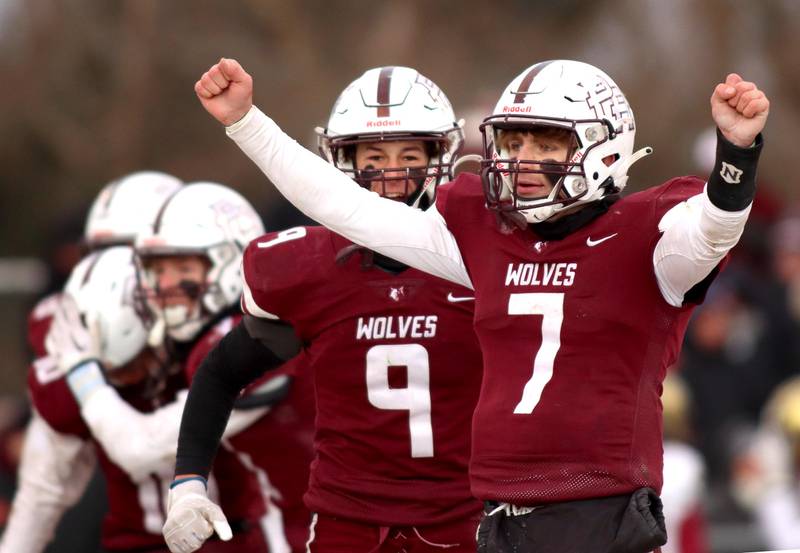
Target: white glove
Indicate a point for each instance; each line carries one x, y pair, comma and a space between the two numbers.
192, 517
71, 340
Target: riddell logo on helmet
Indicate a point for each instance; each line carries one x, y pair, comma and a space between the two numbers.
517, 109
383, 123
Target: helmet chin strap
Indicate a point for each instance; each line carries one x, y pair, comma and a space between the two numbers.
422, 189
155, 338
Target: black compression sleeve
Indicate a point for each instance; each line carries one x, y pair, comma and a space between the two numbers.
236, 361
732, 183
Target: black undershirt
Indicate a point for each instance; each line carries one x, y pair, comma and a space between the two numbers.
236, 361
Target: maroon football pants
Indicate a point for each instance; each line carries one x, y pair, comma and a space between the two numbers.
336, 535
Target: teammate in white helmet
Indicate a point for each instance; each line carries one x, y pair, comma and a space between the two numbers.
582, 296
124, 207
127, 206
190, 284
98, 334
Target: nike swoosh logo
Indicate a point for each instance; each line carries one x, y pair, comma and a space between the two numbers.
455, 299
592, 243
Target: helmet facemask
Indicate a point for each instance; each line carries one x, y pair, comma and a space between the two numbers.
205, 221
503, 172
583, 100
393, 104
420, 182
180, 310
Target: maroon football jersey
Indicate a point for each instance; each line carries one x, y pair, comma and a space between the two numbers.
576, 338
39, 323
136, 511
397, 371
279, 446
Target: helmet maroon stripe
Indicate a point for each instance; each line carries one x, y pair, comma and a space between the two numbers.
384, 86
90, 269
160, 215
111, 191
527, 80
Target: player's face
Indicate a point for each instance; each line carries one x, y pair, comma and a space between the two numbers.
535, 145
178, 279
405, 154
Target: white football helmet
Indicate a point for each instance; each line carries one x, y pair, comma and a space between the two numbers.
569, 95
202, 219
103, 285
392, 104
127, 206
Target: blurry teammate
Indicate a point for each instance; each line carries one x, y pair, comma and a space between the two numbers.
98, 333
191, 282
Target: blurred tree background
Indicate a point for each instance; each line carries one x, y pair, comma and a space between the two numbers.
93, 90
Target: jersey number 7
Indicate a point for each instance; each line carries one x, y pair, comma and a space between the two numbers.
551, 307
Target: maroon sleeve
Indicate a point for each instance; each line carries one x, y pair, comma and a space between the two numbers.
278, 268
39, 323
53, 400
207, 342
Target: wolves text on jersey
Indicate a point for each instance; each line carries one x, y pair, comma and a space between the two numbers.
388, 327
541, 274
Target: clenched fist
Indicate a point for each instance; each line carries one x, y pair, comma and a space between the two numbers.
226, 91
739, 109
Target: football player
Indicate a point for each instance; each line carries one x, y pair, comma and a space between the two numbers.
582, 296
97, 331
396, 364
189, 272
190, 280
123, 207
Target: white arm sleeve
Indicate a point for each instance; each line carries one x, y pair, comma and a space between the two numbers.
697, 235
417, 238
145, 443
54, 471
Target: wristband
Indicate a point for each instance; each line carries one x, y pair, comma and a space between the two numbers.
732, 183
180, 481
85, 378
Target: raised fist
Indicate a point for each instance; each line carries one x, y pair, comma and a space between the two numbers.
226, 91
739, 109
